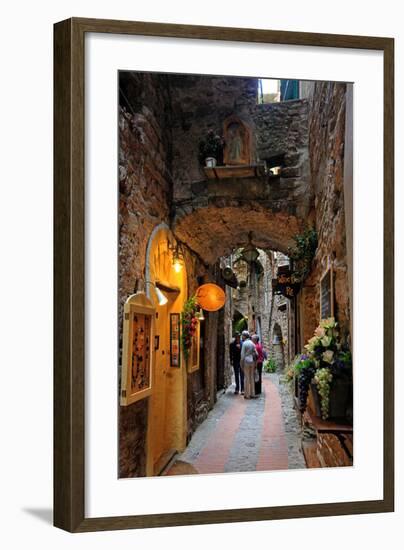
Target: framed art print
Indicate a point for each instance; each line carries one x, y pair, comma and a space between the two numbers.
194, 354
136, 349
175, 328
327, 294
216, 191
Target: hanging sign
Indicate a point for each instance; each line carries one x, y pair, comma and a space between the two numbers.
210, 297
283, 285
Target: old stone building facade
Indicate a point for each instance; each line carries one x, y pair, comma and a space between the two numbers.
166, 200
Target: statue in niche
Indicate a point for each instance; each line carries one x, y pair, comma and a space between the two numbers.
237, 142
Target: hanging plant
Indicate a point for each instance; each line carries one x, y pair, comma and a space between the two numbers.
189, 324
303, 253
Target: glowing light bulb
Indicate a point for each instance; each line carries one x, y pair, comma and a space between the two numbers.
177, 265
199, 315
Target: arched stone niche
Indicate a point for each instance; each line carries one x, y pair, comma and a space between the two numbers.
237, 137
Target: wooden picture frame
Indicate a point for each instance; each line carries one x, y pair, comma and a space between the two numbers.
137, 348
327, 293
175, 340
194, 352
69, 275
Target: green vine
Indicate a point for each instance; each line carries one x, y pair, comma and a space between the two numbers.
303, 253
189, 323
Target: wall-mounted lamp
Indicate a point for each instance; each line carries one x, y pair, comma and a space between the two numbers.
178, 257
161, 298
199, 315
177, 262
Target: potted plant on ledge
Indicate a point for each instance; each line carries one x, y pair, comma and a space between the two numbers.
326, 371
211, 149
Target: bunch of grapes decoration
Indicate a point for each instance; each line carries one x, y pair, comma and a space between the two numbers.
189, 325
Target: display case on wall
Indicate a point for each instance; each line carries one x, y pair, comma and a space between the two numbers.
137, 348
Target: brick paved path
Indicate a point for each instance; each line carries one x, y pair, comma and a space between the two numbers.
241, 435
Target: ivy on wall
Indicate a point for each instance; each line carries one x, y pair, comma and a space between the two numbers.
303, 253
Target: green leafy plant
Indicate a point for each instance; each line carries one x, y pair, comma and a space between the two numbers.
269, 365
325, 358
211, 146
303, 253
189, 324
240, 325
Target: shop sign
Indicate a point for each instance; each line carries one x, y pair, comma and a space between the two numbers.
210, 297
284, 285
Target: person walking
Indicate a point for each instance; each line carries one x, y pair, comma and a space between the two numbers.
260, 360
247, 362
235, 356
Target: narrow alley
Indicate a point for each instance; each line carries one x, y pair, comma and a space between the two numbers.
245, 435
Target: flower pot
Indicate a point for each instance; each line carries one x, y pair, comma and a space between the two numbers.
314, 400
340, 402
210, 162
340, 397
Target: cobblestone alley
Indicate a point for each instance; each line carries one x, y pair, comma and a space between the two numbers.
241, 435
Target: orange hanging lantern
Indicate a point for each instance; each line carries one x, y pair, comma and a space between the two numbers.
210, 297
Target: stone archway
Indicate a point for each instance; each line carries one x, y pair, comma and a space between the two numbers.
214, 229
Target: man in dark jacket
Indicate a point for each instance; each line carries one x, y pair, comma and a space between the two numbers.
235, 353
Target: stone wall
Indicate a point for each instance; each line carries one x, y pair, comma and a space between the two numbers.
240, 294
145, 186
282, 139
327, 133
132, 439
221, 212
277, 329
201, 103
144, 198
279, 332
